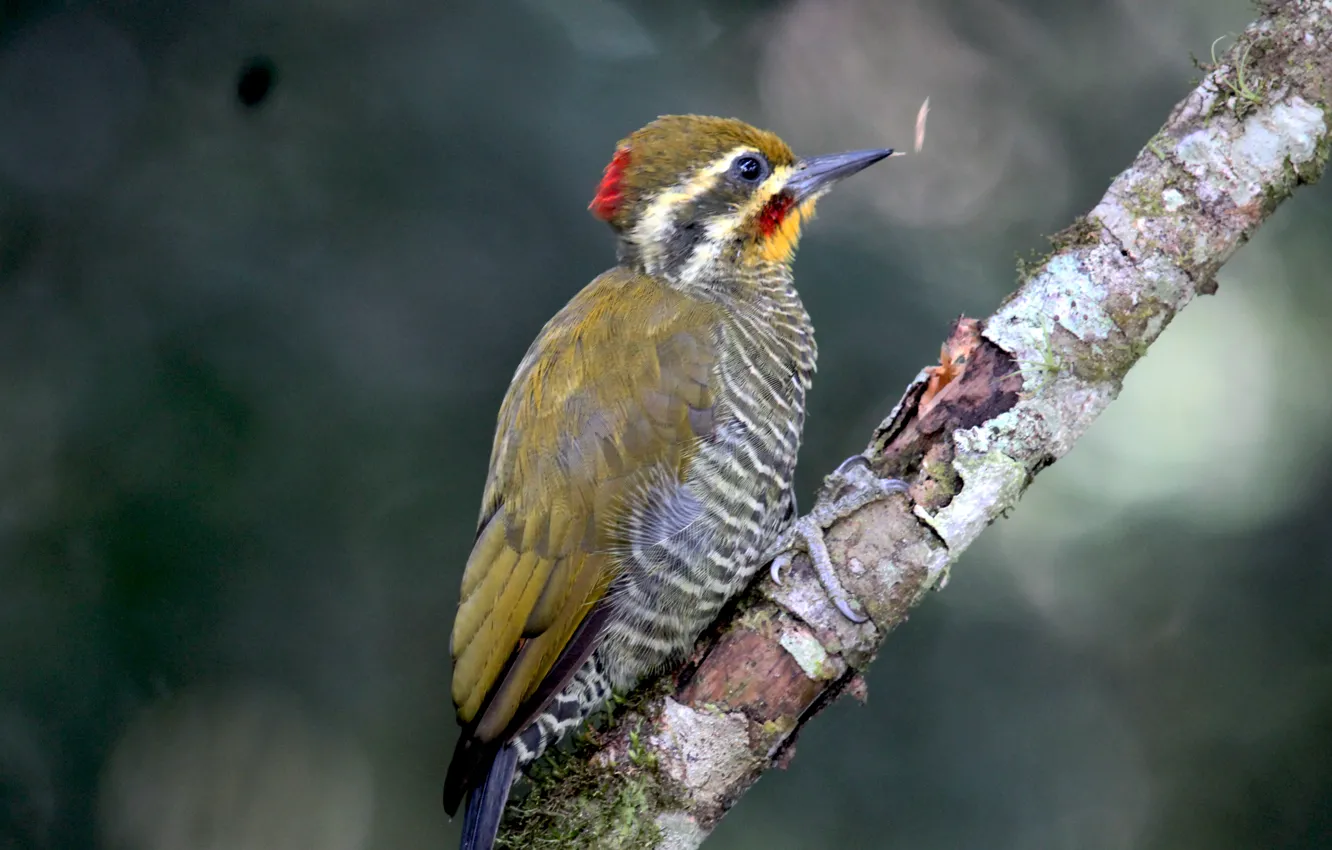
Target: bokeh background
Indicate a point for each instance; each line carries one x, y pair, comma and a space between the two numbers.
266, 267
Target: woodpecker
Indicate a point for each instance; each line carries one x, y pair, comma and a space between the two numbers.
643, 462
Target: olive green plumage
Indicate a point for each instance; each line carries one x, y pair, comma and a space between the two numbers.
645, 451
577, 446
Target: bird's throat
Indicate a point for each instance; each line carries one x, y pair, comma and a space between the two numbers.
782, 236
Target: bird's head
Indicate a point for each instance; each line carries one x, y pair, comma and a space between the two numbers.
693, 197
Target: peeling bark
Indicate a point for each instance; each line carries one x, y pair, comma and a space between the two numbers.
1012, 394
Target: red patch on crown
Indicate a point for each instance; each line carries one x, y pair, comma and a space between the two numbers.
610, 192
775, 212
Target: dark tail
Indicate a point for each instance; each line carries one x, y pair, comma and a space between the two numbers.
485, 803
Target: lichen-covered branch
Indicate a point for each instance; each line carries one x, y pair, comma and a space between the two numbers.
1013, 394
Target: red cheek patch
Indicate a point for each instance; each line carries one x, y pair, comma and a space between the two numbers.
610, 192
775, 212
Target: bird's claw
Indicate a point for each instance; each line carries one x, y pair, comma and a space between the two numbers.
845, 608
852, 486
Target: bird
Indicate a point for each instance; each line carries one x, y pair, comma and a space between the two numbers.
643, 461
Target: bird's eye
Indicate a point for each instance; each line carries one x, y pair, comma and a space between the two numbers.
749, 169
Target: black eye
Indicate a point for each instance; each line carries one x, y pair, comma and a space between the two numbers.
749, 169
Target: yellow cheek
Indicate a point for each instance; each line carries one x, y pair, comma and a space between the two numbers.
780, 245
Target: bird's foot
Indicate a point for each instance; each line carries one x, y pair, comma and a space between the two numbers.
850, 487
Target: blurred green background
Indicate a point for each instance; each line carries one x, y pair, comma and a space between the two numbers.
253, 336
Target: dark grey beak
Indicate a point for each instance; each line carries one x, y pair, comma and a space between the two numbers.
817, 173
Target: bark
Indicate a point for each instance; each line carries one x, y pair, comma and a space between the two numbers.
1012, 394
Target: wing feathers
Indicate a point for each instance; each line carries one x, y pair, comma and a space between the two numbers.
502, 616
534, 660
552, 599
615, 393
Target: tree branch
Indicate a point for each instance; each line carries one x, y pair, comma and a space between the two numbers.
1014, 393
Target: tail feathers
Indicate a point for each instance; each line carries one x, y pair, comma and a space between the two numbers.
485, 803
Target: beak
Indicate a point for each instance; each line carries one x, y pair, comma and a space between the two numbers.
816, 174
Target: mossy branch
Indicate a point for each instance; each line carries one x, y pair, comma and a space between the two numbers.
1014, 393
